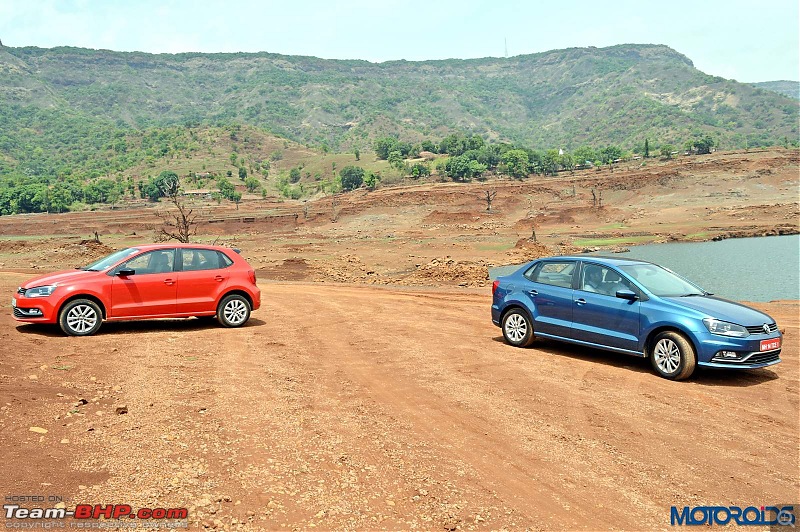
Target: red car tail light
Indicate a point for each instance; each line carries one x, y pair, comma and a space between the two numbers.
252, 274
495, 284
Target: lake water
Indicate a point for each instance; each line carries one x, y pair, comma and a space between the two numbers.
742, 269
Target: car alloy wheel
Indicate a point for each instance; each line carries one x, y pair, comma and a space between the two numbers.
673, 356
81, 317
517, 329
668, 356
233, 311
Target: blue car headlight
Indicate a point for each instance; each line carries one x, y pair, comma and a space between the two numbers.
40, 291
723, 328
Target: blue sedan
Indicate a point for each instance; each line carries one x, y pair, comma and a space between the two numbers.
632, 307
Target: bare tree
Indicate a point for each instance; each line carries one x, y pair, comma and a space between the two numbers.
490, 194
179, 224
334, 204
594, 199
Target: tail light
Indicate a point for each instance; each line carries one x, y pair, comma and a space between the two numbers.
495, 284
252, 274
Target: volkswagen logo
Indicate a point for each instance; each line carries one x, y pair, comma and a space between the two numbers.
766, 328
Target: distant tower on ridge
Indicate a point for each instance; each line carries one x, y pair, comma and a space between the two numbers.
504, 38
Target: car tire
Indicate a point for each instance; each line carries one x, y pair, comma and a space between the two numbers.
673, 356
233, 311
80, 317
517, 328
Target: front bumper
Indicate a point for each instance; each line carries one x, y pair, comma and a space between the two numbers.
711, 350
34, 309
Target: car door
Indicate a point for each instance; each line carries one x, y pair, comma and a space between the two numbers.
151, 289
598, 315
549, 287
204, 274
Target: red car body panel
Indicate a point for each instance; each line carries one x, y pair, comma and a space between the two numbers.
169, 294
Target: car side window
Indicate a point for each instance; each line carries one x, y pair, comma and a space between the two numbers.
200, 259
553, 273
159, 261
602, 280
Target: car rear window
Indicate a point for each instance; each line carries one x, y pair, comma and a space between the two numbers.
552, 273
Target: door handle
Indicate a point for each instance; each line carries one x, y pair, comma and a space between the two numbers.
169, 282
533, 292
219, 278
580, 301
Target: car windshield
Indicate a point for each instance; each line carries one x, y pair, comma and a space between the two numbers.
110, 260
660, 281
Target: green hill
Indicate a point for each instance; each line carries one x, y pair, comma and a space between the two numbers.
88, 113
787, 88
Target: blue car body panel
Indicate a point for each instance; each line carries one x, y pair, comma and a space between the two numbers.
626, 325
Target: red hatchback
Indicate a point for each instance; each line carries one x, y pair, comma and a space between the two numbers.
151, 281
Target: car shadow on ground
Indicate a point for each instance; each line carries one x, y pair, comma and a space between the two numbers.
127, 327
701, 376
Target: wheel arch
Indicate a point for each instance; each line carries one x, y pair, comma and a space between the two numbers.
90, 297
648, 344
512, 306
239, 292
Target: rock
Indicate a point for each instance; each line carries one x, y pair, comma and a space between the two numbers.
122, 409
33, 377
65, 440
38, 430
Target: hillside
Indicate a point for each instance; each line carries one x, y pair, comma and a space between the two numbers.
63, 99
787, 88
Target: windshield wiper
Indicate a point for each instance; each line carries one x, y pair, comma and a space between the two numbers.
694, 294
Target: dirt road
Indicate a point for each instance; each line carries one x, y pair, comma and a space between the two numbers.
344, 406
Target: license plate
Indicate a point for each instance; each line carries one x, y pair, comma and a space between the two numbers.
769, 345
13, 303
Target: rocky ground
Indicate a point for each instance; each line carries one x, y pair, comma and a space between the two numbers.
371, 390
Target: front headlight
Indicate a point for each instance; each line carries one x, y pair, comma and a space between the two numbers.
723, 328
40, 291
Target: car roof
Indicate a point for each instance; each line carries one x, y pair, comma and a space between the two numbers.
599, 259
168, 245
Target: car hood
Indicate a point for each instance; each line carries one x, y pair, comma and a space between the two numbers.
62, 277
722, 309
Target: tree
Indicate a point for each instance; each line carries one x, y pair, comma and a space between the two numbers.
702, 144
180, 224
242, 173
357, 153
352, 177
395, 159
516, 162
226, 188
646, 148
252, 184
666, 150
294, 175
371, 180
168, 183
490, 194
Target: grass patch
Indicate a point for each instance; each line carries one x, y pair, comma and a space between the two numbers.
701, 234
591, 242
619, 225
503, 246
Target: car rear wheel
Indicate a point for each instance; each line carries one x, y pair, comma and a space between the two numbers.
233, 311
673, 356
517, 328
80, 317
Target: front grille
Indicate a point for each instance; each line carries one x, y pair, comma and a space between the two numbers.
21, 290
762, 358
759, 329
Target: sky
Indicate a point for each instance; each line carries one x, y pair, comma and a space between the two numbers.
745, 40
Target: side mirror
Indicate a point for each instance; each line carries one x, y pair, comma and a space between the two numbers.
627, 294
124, 272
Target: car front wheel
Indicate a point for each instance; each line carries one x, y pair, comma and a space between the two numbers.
233, 311
673, 356
80, 317
517, 328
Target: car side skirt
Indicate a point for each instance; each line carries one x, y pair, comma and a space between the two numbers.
589, 344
